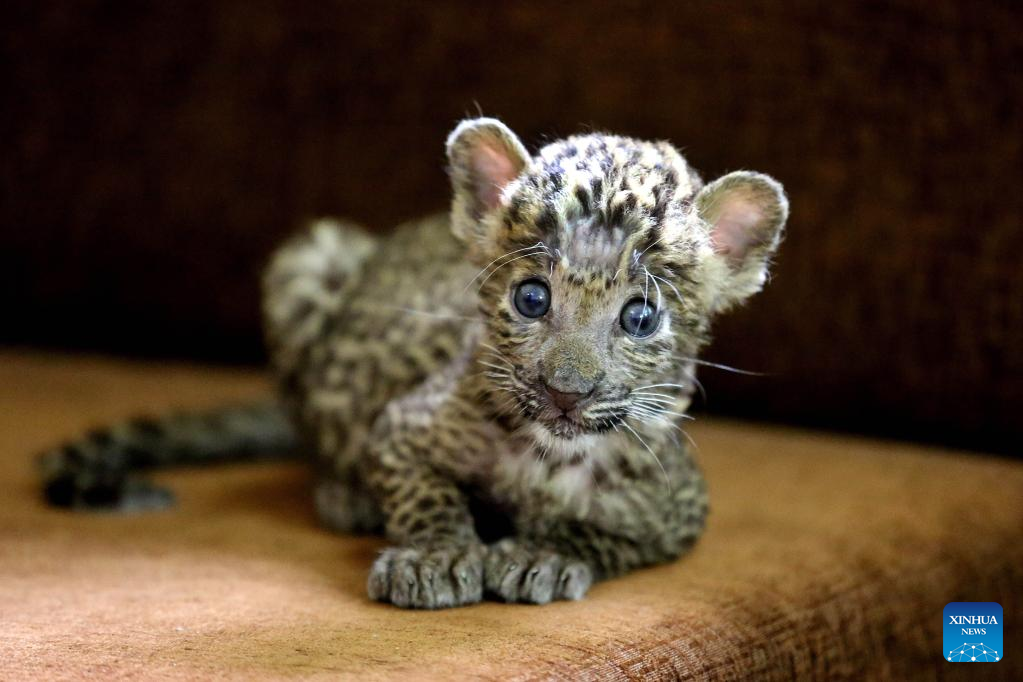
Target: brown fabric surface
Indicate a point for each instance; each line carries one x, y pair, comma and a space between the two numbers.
825, 557
158, 151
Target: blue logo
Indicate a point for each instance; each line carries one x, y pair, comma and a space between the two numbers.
973, 632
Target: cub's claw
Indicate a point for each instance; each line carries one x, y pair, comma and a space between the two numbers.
517, 572
428, 578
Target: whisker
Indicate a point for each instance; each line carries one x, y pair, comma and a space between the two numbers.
659, 408
649, 417
538, 245
667, 481
661, 385
657, 419
492, 272
544, 451
656, 286
650, 407
646, 287
690, 439
672, 413
504, 370
654, 397
726, 368
497, 357
698, 384
502, 366
658, 395
637, 256
673, 288
494, 349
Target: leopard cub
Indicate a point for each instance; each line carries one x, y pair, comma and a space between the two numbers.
500, 390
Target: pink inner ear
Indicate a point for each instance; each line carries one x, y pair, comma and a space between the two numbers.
493, 169
736, 228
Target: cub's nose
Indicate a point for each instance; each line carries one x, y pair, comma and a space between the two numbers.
565, 401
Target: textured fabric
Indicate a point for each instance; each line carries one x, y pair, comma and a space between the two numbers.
158, 151
826, 557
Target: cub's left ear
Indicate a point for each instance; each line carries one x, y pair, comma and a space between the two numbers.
745, 213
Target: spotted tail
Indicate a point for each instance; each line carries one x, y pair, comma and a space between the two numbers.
100, 471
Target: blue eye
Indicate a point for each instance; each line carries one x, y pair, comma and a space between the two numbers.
532, 298
639, 319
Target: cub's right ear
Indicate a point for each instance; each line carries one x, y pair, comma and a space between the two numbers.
484, 157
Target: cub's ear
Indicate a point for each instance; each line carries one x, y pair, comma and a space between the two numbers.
745, 213
484, 156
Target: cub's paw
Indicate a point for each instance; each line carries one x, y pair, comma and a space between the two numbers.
428, 578
518, 572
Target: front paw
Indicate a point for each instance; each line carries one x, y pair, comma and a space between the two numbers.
518, 572
428, 578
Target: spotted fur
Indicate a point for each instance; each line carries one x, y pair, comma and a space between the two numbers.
426, 396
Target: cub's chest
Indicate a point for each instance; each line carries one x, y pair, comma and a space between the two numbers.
532, 480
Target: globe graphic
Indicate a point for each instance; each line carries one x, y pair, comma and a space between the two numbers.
973, 652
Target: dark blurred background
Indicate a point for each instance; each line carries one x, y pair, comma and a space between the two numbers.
154, 154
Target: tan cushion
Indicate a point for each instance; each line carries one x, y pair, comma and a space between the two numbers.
825, 556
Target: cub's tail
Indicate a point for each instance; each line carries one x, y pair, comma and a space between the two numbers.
101, 470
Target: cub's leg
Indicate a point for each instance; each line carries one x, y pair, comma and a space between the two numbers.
419, 445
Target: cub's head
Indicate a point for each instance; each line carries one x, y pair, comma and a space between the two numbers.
603, 260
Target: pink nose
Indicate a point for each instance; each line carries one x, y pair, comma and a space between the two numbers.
565, 401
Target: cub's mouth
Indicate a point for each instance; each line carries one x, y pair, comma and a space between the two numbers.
565, 426
564, 420
569, 424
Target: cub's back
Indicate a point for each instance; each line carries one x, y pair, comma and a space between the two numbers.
402, 318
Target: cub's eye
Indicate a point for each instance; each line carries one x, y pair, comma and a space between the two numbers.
532, 298
639, 319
